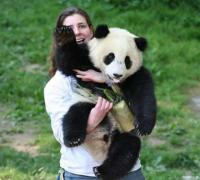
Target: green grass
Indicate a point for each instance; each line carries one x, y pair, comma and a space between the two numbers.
172, 30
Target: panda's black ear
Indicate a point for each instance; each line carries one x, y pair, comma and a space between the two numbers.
141, 43
101, 31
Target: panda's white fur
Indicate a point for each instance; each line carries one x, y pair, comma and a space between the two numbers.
122, 44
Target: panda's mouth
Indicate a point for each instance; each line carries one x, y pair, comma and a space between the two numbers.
114, 79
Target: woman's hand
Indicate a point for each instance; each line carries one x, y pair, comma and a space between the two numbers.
98, 113
90, 75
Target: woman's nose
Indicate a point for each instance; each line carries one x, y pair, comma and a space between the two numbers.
76, 30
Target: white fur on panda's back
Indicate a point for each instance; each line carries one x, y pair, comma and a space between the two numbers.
82, 94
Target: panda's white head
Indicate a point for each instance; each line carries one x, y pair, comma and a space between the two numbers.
116, 52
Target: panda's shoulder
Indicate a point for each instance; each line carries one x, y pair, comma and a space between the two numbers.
142, 73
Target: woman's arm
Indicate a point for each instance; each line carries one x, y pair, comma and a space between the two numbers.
58, 100
98, 113
90, 75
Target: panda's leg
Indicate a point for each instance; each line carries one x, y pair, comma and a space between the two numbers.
75, 123
122, 156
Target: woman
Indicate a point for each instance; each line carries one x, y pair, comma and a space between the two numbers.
76, 162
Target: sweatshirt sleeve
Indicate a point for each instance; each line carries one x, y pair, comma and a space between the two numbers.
57, 96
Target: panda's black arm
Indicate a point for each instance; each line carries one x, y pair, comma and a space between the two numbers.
65, 49
68, 54
139, 94
66, 58
75, 123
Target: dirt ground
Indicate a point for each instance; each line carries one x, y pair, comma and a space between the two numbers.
18, 136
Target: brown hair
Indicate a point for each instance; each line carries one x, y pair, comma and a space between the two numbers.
67, 12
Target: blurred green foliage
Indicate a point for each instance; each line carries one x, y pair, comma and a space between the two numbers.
172, 30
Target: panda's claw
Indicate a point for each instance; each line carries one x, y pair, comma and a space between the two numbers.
74, 141
77, 142
96, 172
143, 129
63, 29
64, 35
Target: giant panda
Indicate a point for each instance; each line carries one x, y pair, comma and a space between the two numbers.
116, 53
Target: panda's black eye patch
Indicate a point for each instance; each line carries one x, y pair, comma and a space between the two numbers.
128, 62
109, 58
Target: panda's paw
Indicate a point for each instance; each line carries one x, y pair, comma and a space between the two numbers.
73, 141
64, 35
101, 173
97, 172
143, 129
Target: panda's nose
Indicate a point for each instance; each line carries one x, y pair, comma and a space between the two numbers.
117, 75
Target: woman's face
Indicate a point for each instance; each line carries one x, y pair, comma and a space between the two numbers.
80, 27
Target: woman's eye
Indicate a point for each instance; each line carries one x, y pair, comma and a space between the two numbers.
82, 26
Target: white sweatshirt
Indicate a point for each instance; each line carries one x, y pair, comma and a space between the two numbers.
59, 96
